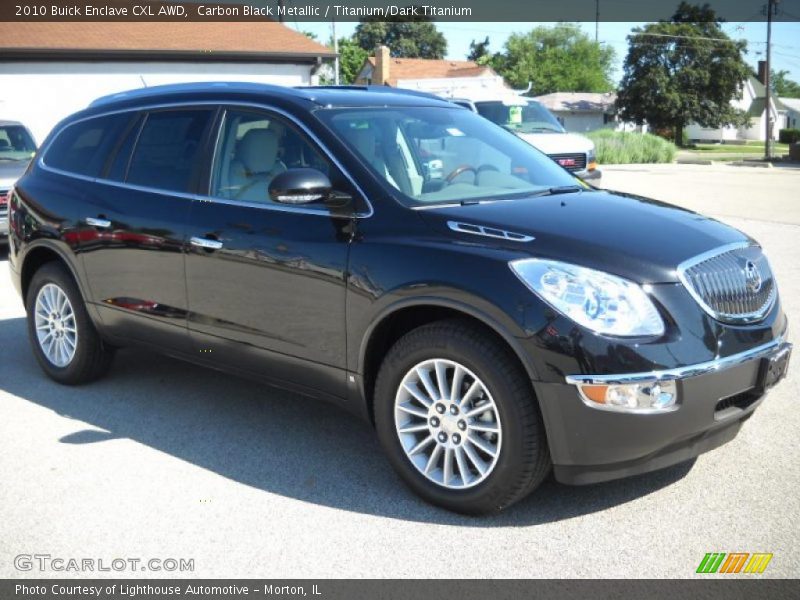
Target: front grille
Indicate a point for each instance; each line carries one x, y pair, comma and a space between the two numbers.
571, 162
733, 284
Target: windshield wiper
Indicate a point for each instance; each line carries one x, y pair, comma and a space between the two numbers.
559, 189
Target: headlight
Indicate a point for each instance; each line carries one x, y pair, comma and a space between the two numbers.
591, 160
599, 301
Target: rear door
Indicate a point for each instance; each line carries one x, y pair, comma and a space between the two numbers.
132, 240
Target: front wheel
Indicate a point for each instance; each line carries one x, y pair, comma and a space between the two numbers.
456, 416
64, 340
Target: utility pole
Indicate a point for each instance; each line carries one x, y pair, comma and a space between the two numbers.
596, 21
772, 8
281, 7
336, 51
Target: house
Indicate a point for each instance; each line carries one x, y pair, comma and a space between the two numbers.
49, 70
579, 112
792, 107
754, 103
445, 77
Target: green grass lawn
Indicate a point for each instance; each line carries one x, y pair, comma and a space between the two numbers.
754, 148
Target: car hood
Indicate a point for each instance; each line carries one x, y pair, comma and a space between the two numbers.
558, 143
10, 171
637, 238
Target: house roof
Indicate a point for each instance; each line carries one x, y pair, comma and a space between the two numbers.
427, 68
578, 101
758, 103
758, 87
251, 41
791, 103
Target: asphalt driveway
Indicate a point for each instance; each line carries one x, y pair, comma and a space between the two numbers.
166, 460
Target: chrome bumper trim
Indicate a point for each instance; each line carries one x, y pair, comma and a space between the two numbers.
683, 372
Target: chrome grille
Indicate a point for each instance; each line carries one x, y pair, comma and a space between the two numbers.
571, 162
733, 284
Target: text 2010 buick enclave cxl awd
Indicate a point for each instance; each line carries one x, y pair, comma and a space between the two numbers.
493, 316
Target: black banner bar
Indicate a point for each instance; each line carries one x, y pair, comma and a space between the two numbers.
382, 10
733, 587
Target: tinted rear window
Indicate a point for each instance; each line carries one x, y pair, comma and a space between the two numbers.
83, 148
167, 150
118, 169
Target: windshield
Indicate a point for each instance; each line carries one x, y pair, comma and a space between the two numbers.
527, 116
16, 143
444, 155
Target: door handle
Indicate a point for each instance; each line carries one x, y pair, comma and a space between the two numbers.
98, 222
206, 243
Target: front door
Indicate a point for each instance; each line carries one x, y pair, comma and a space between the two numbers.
266, 281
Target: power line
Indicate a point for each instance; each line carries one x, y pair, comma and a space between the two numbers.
682, 37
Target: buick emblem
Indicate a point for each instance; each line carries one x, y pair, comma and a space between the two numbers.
752, 277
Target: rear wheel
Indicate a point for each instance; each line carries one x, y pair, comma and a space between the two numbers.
64, 340
456, 415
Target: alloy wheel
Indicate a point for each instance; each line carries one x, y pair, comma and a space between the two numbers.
56, 328
448, 423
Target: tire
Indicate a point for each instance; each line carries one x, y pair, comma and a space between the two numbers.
90, 358
522, 458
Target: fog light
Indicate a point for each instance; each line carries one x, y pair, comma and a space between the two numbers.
647, 396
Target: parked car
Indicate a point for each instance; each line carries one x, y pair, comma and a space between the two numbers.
531, 121
490, 316
16, 150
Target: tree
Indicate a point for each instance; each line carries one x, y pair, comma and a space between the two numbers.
783, 86
478, 51
407, 37
351, 59
681, 71
556, 59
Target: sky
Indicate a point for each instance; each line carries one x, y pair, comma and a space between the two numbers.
785, 39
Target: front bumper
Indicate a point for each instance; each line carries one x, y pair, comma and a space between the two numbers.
590, 445
586, 174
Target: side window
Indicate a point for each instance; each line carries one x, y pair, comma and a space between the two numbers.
253, 148
83, 148
168, 147
118, 169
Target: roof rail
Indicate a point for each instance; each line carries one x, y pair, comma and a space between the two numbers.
156, 90
385, 89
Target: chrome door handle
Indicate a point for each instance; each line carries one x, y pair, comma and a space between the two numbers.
96, 222
206, 243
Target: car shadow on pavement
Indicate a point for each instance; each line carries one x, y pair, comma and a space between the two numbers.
269, 439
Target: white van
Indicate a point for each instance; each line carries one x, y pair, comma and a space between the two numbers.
531, 121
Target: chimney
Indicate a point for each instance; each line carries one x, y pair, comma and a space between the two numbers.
762, 71
383, 59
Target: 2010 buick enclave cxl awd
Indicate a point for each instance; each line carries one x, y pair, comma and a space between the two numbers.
492, 315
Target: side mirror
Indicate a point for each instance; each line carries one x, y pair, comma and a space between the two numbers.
300, 186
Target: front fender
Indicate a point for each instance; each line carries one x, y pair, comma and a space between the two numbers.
477, 308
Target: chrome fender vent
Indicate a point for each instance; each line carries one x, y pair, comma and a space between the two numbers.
491, 232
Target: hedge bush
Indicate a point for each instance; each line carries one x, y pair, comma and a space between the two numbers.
621, 147
789, 136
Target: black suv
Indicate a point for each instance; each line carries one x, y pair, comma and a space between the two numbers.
492, 315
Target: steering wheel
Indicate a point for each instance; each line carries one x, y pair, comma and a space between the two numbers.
458, 171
